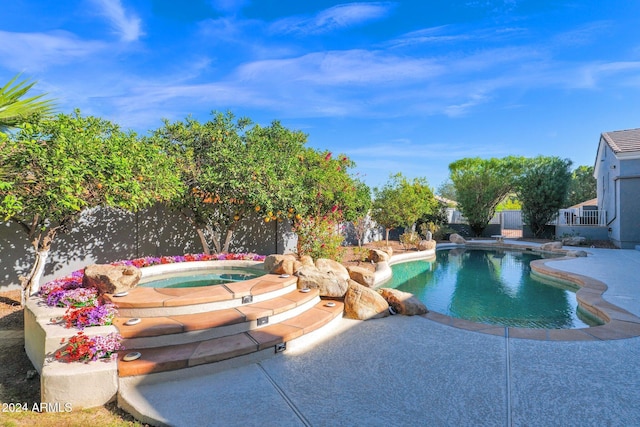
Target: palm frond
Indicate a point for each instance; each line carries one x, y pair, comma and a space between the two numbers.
14, 108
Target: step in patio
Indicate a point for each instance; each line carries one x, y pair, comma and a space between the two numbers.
262, 342
185, 328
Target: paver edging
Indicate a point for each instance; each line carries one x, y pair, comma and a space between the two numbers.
619, 323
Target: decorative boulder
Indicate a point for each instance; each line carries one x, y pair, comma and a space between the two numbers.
551, 246
280, 264
376, 255
574, 240
577, 253
328, 284
426, 245
306, 260
362, 303
457, 239
403, 302
361, 275
111, 279
332, 267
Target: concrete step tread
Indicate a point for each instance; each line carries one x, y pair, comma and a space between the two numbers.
166, 325
173, 357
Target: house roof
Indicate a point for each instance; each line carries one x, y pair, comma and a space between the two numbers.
623, 141
446, 201
592, 202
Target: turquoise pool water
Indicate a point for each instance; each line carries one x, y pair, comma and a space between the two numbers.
216, 276
493, 287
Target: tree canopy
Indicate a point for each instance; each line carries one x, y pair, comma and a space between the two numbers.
481, 184
542, 189
60, 166
401, 202
582, 187
231, 171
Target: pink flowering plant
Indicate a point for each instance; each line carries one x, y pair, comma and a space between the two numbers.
82, 348
149, 261
95, 315
320, 236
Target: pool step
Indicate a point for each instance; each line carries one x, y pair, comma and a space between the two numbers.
185, 328
259, 343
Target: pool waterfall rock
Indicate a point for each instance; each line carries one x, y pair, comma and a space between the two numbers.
362, 275
362, 303
382, 254
551, 246
425, 245
111, 279
353, 284
457, 239
403, 302
329, 282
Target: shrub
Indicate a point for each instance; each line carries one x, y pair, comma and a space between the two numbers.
409, 239
319, 237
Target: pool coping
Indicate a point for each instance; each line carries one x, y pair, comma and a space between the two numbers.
619, 323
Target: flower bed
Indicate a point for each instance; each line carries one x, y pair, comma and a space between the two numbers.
82, 348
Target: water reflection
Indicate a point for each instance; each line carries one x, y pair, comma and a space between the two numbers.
489, 286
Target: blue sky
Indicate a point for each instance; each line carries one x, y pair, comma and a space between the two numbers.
398, 86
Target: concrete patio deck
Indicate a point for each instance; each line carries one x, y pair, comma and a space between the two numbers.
406, 371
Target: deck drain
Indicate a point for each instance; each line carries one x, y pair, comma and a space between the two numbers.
247, 299
263, 320
133, 321
281, 347
330, 304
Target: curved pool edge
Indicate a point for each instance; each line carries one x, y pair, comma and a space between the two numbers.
152, 272
619, 323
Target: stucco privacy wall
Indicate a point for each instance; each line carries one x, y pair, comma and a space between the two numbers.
103, 235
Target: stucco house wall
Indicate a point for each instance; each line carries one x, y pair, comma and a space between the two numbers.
617, 171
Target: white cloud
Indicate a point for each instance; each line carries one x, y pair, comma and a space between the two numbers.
128, 26
334, 18
38, 51
351, 67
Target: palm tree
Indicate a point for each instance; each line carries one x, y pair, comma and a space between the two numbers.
14, 108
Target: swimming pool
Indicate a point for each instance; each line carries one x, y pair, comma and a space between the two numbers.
493, 287
209, 277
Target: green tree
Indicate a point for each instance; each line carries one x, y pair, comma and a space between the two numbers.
15, 108
542, 189
481, 184
331, 195
447, 190
401, 202
231, 171
582, 186
62, 166
359, 217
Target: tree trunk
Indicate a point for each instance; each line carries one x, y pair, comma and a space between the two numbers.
387, 234
214, 238
33, 280
31, 283
227, 240
203, 241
